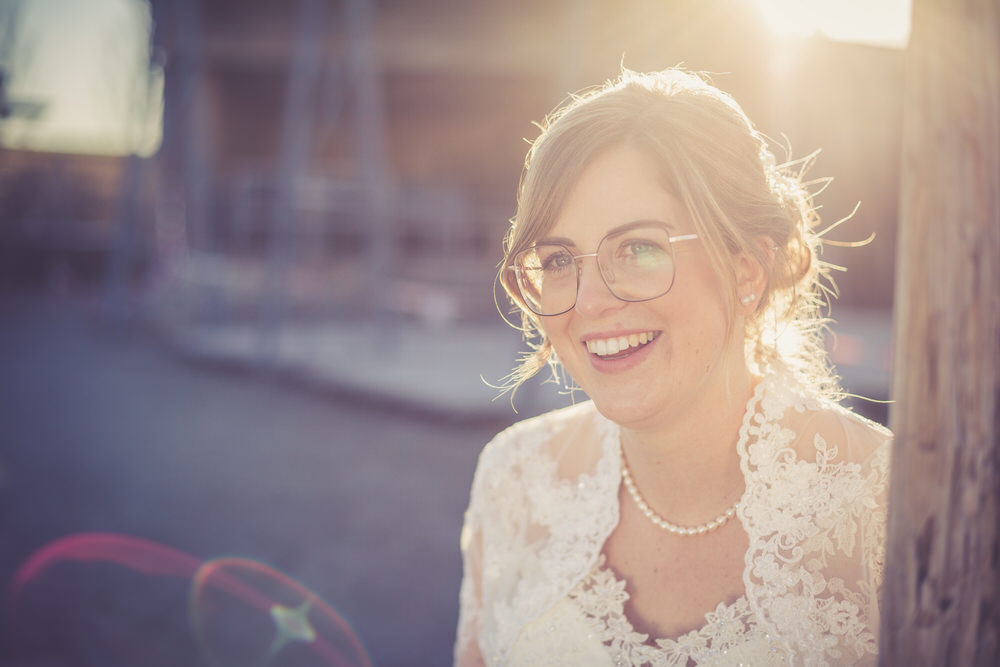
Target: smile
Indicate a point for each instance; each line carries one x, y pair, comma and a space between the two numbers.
620, 345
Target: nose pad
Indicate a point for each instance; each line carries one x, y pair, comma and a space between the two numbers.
608, 274
593, 294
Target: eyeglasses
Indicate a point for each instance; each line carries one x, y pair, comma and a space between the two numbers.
635, 262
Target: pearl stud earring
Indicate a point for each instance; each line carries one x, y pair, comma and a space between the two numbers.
748, 299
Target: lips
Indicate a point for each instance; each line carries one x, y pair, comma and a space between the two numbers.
617, 347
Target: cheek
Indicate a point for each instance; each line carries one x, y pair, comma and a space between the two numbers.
556, 331
705, 330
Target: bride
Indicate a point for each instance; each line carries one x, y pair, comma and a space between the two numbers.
711, 503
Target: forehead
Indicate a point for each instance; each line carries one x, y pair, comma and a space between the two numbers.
619, 186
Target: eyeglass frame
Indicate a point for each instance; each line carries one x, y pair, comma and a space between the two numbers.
600, 270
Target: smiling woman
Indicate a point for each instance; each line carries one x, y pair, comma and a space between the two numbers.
712, 504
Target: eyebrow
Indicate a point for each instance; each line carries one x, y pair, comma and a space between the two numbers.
562, 240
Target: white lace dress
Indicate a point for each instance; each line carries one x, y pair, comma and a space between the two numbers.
544, 500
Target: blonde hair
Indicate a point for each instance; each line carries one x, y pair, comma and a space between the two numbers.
740, 200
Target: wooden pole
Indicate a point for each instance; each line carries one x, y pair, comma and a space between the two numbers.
941, 604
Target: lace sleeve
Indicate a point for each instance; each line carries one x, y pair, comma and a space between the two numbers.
815, 514
467, 653
544, 499
873, 530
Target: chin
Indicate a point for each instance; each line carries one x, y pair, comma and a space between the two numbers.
633, 414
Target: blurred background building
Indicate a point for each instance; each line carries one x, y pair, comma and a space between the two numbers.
323, 128
323, 159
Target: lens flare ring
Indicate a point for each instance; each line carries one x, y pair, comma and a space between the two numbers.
240, 611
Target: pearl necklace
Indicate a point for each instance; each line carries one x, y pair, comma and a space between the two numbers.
700, 529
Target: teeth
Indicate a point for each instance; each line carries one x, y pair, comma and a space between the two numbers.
608, 346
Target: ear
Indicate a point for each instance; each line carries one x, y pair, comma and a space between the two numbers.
751, 281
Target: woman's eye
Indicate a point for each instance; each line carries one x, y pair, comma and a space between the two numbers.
641, 250
557, 261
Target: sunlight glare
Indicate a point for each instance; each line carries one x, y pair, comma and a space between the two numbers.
876, 22
86, 62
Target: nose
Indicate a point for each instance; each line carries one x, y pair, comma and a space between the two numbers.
593, 298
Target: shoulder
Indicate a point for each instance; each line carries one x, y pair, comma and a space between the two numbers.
559, 444
546, 435
838, 434
819, 429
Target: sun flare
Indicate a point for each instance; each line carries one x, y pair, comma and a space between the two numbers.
877, 22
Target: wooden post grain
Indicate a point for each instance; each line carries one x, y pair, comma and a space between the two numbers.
941, 597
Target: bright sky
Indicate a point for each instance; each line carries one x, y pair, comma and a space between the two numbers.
85, 60
877, 22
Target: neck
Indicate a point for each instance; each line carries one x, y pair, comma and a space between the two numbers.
687, 467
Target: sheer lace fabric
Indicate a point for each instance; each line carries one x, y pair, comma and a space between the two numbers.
730, 635
545, 499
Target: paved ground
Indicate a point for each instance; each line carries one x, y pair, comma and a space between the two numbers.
347, 468
360, 500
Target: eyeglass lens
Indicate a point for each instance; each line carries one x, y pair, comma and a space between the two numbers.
636, 264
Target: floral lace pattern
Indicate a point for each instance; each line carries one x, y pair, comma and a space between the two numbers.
808, 511
730, 635
534, 544
536, 590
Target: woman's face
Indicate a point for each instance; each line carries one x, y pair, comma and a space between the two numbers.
682, 365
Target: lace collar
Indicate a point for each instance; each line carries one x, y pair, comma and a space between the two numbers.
729, 631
